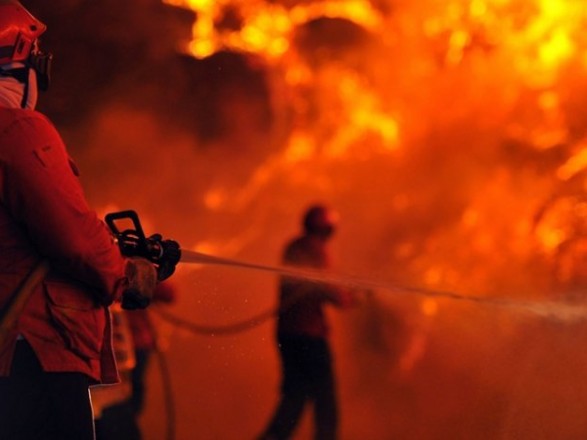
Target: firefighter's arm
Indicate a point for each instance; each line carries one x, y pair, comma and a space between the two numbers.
43, 193
336, 294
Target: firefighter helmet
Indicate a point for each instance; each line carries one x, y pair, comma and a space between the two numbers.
19, 31
19, 36
320, 220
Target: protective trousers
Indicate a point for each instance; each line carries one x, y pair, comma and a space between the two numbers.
36, 405
307, 378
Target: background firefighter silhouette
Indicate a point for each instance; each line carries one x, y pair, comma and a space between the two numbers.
302, 333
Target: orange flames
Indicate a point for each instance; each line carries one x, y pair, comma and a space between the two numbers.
404, 73
451, 135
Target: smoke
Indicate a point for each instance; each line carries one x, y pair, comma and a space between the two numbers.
450, 140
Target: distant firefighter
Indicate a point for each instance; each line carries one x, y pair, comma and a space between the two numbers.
302, 333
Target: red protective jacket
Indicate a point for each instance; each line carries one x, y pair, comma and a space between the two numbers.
44, 215
301, 302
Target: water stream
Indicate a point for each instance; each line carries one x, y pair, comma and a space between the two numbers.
554, 310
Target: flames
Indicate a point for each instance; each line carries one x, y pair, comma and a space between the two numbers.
408, 71
265, 30
539, 36
451, 136
262, 27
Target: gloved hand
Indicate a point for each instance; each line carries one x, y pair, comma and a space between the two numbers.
142, 279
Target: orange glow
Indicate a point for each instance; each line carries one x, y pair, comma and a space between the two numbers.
576, 163
300, 148
452, 138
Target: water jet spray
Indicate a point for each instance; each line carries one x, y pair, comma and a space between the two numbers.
166, 254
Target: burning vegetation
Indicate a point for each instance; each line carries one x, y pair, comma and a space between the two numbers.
451, 137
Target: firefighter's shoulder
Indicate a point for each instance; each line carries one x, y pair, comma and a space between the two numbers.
17, 119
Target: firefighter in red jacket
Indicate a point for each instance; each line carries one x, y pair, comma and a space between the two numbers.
61, 342
302, 333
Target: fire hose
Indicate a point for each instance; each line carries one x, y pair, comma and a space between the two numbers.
215, 330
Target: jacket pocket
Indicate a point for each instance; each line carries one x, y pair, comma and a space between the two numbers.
77, 317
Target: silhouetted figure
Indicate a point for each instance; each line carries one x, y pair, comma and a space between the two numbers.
135, 341
302, 333
144, 338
